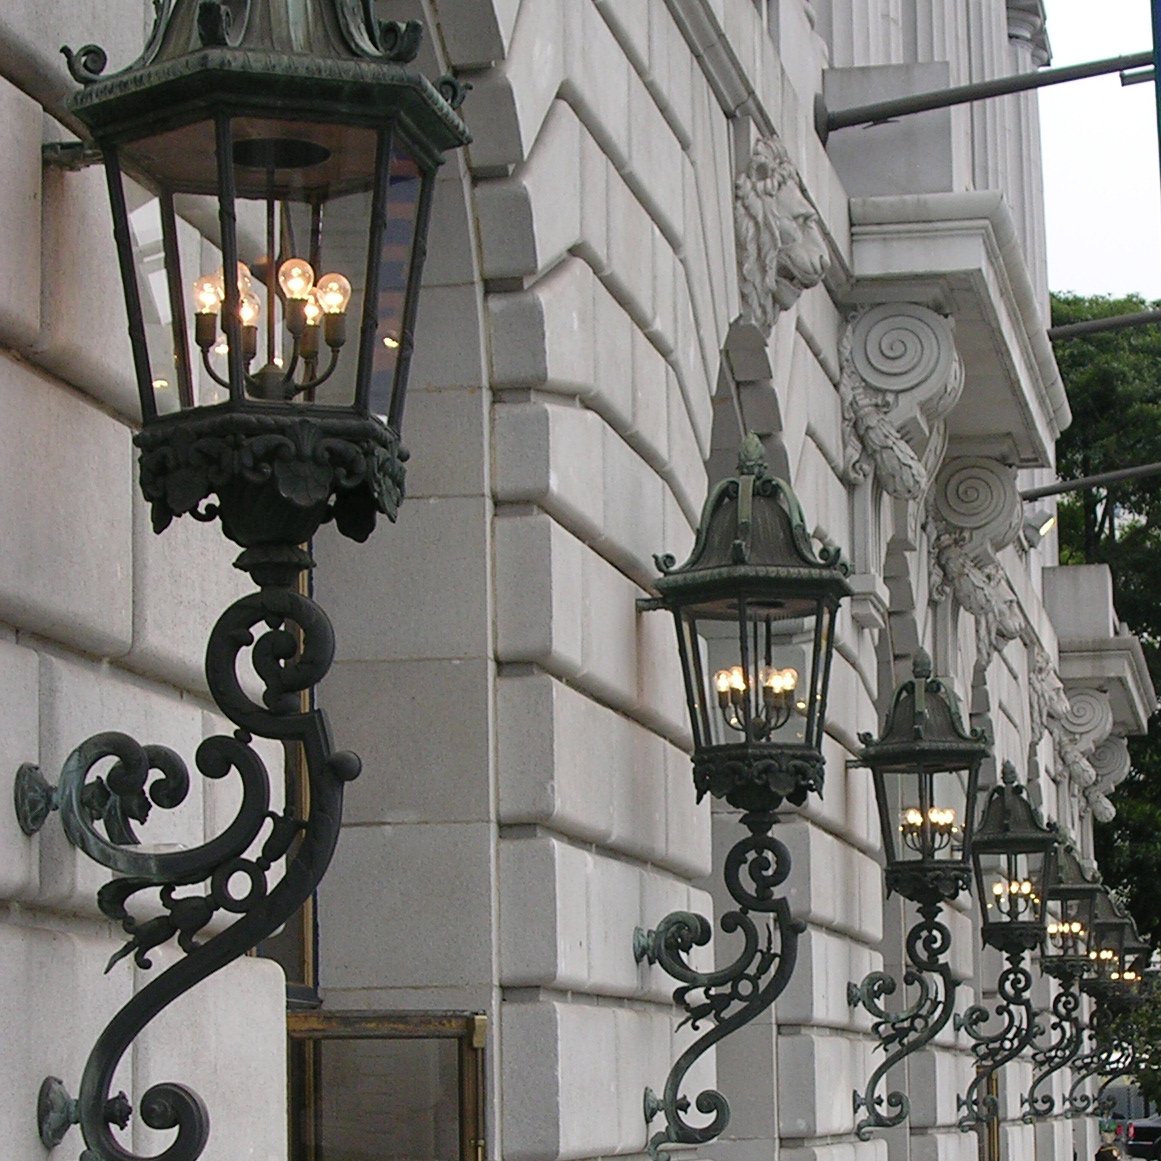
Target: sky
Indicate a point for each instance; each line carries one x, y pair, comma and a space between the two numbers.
1102, 184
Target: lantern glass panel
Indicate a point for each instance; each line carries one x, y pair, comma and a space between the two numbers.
325, 218
404, 193
1011, 886
1070, 927
755, 669
926, 814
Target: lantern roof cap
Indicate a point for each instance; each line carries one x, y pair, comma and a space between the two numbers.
336, 55
1075, 876
1010, 821
924, 726
753, 532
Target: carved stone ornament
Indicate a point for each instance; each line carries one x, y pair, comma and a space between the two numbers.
974, 511
1046, 696
1111, 764
782, 250
900, 375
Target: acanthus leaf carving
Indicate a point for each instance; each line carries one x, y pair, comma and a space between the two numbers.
782, 249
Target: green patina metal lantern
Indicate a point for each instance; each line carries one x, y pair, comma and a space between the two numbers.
271, 167
926, 767
755, 607
1014, 855
1072, 904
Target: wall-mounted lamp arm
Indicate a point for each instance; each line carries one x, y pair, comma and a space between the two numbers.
1019, 1023
291, 651
728, 997
1067, 1032
913, 1027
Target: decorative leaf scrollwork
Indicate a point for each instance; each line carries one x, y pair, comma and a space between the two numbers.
86, 64
1066, 1031
1019, 1024
110, 781
902, 1033
728, 997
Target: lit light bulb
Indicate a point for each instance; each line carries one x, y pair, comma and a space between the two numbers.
390, 342
296, 278
313, 310
722, 681
913, 818
781, 680
245, 282
207, 294
249, 309
998, 889
334, 292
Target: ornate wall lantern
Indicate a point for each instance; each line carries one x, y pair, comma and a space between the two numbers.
925, 768
270, 177
1014, 856
1112, 933
270, 169
1071, 900
755, 608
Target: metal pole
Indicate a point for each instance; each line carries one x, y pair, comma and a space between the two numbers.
1156, 7
1094, 326
1092, 481
962, 94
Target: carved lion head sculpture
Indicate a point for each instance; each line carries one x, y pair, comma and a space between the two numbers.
782, 250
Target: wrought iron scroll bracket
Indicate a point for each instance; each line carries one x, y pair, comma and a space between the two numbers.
1109, 1059
729, 997
1067, 1031
111, 782
905, 1032
1019, 1024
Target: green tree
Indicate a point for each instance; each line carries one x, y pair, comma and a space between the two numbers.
1114, 387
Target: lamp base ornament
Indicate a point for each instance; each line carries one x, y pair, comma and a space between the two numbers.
110, 783
902, 1033
1019, 1024
728, 997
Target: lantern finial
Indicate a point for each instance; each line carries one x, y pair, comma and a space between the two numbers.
751, 457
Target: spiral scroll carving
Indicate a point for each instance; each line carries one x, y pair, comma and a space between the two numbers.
111, 782
904, 1032
727, 997
974, 511
897, 347
979, 496
1089, 716
900, 375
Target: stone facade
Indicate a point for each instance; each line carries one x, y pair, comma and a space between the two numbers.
646, 250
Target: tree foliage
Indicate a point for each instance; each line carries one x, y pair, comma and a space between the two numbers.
1114, 387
